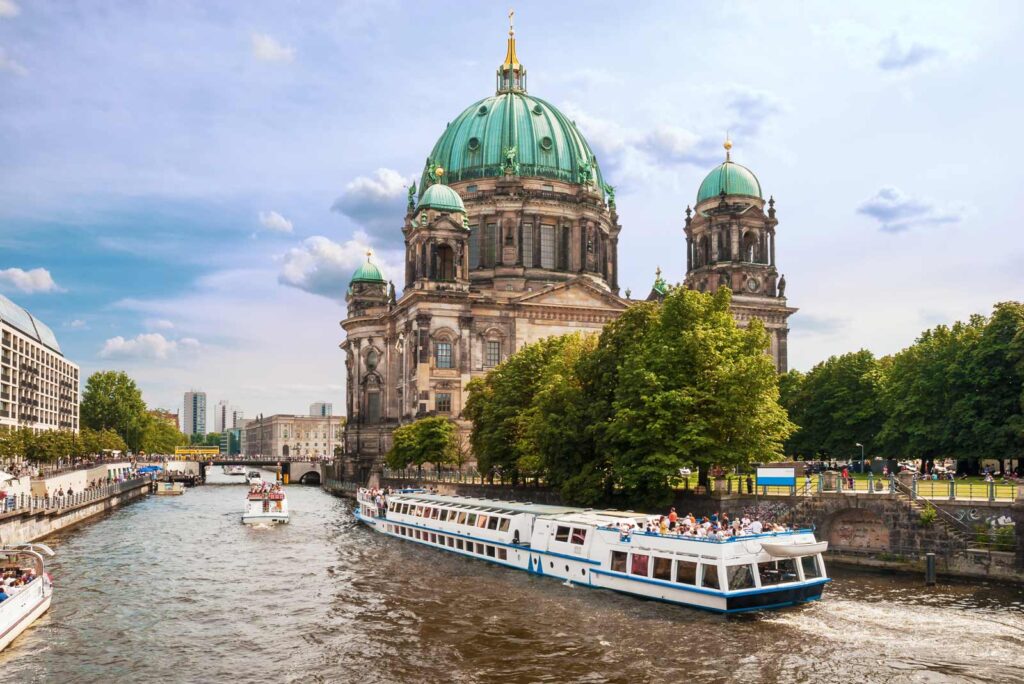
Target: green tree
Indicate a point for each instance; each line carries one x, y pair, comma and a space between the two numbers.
160, 437
112, 401
695, 389
836, 405
498, 405
433, 440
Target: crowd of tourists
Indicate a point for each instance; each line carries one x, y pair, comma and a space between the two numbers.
715, 527
269, 490
14, 580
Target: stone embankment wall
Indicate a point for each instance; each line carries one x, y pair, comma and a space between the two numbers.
21, 526
880, 530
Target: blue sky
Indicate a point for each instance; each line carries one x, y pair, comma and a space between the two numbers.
185, 187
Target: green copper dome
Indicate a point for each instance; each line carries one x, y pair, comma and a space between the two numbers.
515, 130
730, 178
442, 198
367, 273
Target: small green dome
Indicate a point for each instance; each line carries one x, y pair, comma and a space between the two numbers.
730, 178
477, 143
368, 273
442, 198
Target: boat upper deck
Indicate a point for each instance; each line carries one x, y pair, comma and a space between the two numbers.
565, 513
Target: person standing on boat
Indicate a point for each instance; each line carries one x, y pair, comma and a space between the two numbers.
672, 518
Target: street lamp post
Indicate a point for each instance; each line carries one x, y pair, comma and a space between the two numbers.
861, 457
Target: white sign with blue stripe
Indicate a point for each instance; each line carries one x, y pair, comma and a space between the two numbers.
776, 477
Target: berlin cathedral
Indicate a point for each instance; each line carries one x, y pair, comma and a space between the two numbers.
513, 236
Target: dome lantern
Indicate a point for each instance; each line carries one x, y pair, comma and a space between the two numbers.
511, 74
368, 272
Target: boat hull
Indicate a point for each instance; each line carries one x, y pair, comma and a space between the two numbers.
24, 622
265, 519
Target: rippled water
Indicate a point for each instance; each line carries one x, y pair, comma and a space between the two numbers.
176, 589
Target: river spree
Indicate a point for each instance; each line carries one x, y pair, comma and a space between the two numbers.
176, 589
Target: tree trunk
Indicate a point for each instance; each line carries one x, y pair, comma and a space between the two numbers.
703, 470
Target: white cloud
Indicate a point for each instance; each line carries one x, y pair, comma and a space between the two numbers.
158, 324
899, 56
150, 346
271, 220
267, 49
9, 64
376, 203
29, 282
77, 324
9, 9
324, 267
897, 211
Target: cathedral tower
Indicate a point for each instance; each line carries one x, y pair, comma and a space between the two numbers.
730, 242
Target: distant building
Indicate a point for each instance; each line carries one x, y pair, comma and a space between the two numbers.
321, 408
195, 413
38, 386
225, 416
288, 436
169, 417
231, 441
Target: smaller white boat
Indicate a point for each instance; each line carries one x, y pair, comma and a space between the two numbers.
27, 587
169, 488
234, 470
253, 477
265, 504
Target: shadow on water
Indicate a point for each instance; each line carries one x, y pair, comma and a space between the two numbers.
176, 589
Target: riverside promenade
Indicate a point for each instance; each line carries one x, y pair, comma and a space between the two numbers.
33, 508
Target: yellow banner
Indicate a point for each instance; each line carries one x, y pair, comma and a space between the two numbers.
196, 451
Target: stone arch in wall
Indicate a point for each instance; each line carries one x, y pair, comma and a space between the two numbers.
856, 529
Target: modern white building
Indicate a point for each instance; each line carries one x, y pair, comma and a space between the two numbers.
322, 409
194, 412
226, 416
38, 386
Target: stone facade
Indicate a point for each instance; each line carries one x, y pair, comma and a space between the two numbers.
288, 436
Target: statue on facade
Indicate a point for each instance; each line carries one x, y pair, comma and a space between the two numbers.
412, 195
782, 285
511, 166
391, 293
583, 172
610, 189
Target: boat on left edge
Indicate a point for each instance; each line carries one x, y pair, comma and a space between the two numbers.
27, 587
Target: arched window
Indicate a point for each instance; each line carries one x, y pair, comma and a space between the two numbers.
445, 263
704, 251
750, 247
724, 246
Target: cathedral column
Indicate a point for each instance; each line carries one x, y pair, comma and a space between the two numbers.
772, 238
615, 265
689, 253
714, 245
519, 241
734, 235
582, 245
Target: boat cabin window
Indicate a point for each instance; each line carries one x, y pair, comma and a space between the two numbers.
502, 554
490, 551
579, 536
618, 561
662, 569
462, 517
481, 521
452, 515
561, 534
639, 563
505, 523
709, 578
686, 572
480, 549
811, 568
740, 577
458, 544
492, 523
777, 572
471, 520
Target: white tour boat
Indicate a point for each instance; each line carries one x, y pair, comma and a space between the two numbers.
27, 602
265, 504
234, 470
253, 477
588, 547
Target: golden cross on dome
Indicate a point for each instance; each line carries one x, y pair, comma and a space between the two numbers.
727, 145
511, 27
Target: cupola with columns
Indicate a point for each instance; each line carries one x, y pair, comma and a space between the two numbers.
730, 238
367, 289
437, 239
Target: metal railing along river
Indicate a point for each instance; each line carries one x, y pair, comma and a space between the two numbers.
27, 502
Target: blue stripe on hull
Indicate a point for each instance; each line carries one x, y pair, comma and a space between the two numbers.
536, 567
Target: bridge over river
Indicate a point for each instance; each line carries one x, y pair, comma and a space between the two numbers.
297, 470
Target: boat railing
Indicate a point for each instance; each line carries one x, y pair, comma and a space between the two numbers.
705, 540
